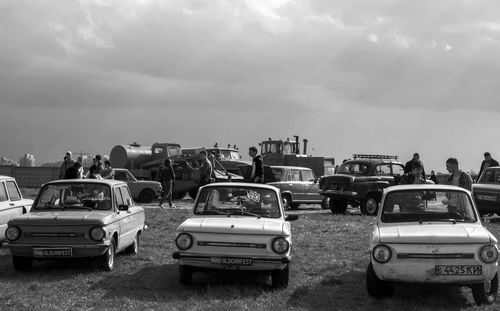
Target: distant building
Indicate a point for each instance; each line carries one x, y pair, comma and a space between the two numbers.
7, 161
27, 160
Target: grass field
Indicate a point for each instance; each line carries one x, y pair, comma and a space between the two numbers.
327, 273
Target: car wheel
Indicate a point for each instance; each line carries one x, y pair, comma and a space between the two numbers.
286, 201
325, 204
338, 206
279, 278
147, 196
369, 206
107, 260
487, 292
22, 263
185, 275
134, 248
375, 286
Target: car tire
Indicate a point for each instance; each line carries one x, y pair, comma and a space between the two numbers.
21, 263
185, 275
486, 293
147, 196
133, 249
338, 206
369, 206
287, 201
107, 260
279, 278
376, 287
325, 203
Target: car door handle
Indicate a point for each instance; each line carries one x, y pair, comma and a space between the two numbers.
11, 204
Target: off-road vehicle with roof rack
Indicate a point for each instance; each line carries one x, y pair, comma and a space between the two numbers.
360, 182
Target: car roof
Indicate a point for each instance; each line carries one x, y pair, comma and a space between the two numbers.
291, 167
110, 182
241, 184
425, 187
6, 177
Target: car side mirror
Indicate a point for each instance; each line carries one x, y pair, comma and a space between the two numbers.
291, 217
315, 180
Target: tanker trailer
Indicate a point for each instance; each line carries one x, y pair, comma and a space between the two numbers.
132, 157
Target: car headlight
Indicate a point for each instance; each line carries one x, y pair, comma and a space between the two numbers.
12, 233
382, 253
280, 245
184, 241
97, 233
489, 253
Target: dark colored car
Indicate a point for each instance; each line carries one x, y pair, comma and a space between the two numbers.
360, 182
298, 185
487, 191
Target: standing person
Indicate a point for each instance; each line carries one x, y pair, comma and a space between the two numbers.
415, 176
487, 162
166, 177
408, 165
73, 171
206, 169
108, 172
80, 170
257, 175
434, 177
458, 177
92, 174
100, 166
67, 163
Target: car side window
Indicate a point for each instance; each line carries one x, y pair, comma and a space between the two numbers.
126, 194
120, 176
118, 197
294, 175
397, 169
383, 169
307, 175
13, 191
3, 192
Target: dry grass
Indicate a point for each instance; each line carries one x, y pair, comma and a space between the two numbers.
328, 270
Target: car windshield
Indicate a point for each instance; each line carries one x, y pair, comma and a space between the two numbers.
87, 196
490, 177
243, 201
418, 206
353, 169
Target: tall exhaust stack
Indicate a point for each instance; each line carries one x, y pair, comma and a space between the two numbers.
297, 147
305, 146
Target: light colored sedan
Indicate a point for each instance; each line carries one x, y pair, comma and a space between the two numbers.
12, 202
236, 226
431, 234
77, 218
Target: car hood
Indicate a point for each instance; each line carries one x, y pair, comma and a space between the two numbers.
435, 233
68, 217
149, 182
235, 225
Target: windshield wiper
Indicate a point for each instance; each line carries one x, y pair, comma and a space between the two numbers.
249, 213
454, 221
216, 212
77, 207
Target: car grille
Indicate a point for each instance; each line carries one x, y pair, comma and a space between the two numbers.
435, 256
55, 234
231, 244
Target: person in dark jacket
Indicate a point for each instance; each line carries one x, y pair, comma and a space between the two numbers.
73, 172
409, 165
415, 176
166, 177
68, 162
257, 175
487, 162
206, 170
434, 177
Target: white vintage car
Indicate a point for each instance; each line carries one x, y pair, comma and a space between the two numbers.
236, 226
431, 234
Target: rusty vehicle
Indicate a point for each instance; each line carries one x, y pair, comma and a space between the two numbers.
361, 181
224, 159
288, 153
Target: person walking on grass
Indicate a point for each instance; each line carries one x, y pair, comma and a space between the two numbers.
257, 175
166, 177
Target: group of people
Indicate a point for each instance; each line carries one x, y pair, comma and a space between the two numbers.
415, 173
71, 169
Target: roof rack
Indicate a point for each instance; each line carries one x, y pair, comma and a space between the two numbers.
375, 156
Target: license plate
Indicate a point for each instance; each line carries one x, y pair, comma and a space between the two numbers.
52, 252
231, 261
459, 270
485, 197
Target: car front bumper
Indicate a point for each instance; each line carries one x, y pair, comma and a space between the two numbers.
77, 251
206, 261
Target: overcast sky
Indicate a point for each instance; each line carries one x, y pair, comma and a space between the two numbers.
351, 76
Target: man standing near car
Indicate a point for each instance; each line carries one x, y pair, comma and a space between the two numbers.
257, 175
487, 162
409, 165
67, 163
166, 177
458, 177
206, 169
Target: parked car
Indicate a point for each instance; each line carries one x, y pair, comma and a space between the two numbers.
360, 182
143, 191
431, 234
487, 191
12, 202
236, 226
298, 185
77, 218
